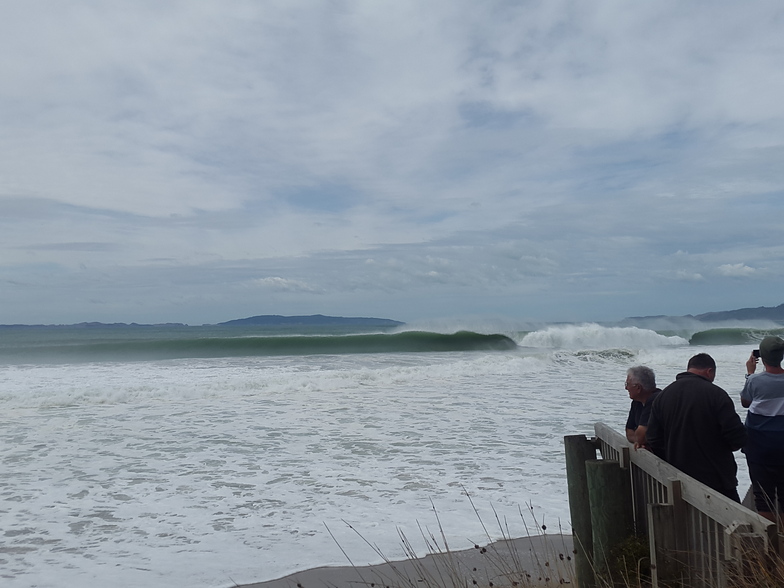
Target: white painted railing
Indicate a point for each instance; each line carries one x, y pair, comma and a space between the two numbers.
695, 533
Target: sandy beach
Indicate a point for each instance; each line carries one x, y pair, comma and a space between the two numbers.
533, 561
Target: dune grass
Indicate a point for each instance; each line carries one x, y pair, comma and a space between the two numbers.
508, 562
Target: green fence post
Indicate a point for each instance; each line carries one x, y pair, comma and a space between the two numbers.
578, 450
612, 517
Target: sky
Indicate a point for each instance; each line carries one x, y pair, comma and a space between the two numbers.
544, 160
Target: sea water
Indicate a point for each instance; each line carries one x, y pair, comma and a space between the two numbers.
211, 471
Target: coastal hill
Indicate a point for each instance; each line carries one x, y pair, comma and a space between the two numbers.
274, 320
93, 325
773, 313
311, 320
770, 313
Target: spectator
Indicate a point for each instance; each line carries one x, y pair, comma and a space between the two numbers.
763, 395
694, 426
641, 386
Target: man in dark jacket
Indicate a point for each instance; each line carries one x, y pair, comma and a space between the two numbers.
694, 426
641, 386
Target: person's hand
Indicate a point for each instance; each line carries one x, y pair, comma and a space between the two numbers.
640, 446
751, 364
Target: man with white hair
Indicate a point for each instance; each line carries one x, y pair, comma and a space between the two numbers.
641, 386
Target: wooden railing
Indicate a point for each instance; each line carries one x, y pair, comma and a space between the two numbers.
694, 532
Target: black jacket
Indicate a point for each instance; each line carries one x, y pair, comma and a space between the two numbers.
694, 426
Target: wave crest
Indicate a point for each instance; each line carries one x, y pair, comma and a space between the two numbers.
259, 346
593, 336
733, 336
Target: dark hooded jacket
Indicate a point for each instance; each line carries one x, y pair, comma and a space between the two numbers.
694, 426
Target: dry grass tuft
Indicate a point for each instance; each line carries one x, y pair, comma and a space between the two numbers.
543, 560
758, 570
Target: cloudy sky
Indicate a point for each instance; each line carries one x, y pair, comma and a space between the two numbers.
552, 160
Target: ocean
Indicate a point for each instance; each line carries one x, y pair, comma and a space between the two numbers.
209, 456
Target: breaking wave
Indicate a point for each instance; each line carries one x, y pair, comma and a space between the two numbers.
733, 336
593, 336
204, 347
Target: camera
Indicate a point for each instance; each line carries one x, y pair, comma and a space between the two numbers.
755, 353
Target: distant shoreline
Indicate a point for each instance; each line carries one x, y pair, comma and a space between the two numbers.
774, 314
267, 320
311, 320
94, 325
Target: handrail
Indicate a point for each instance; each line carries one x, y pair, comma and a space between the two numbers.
718, 507
702, 531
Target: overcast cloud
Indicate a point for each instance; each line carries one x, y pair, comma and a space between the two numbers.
553, 160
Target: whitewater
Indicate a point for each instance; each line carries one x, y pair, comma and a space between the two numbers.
218, 471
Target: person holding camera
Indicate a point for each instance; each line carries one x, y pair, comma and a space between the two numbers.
763, 395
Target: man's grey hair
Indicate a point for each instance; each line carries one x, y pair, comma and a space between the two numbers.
643, 375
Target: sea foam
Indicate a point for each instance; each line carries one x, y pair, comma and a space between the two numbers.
219, 470
593, 336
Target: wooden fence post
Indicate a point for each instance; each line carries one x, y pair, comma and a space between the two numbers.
579, 450
667, 538
612, 516
667, 566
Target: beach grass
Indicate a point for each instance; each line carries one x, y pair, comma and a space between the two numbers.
530, 561
535, 559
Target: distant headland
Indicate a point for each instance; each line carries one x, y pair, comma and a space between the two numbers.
315, 320
267, 320
94, 325
770, 313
